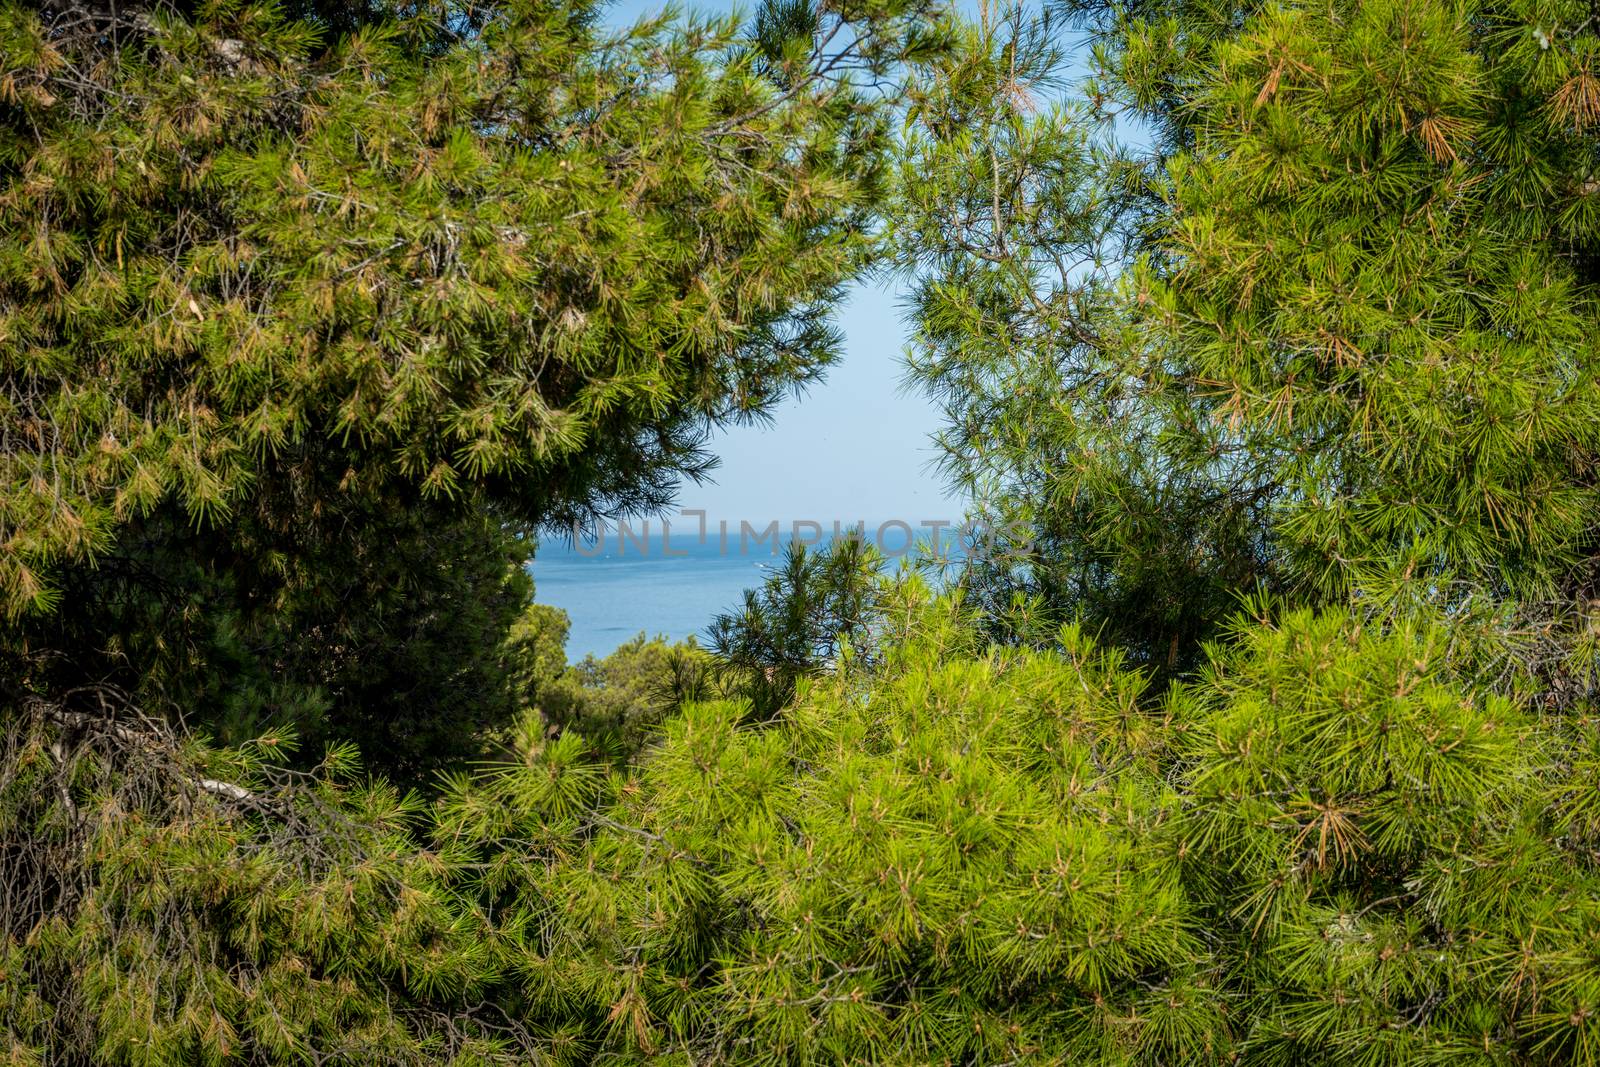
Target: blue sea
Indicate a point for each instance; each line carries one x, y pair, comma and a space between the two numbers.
615, 589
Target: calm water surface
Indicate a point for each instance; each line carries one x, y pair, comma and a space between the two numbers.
612, 595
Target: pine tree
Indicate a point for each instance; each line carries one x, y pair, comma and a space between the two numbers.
311, 316
817, 606
1322, 849
1331, 331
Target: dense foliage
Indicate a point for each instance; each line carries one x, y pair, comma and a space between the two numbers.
537, 260
1321, 850
617, 702
1266, 734
1022, 857
311, 315
1333, 327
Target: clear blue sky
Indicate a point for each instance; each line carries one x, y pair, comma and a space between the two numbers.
854, 447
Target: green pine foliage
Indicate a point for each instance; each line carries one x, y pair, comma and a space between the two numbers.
1321, 850
1326, 328
1391, 858
933, 872
536, 261
1018, 215
181, 903
1377, 285
1260, 730
312, 315
617, 703
811, 610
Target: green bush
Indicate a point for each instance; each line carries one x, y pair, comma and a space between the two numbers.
617, 703
1322, 850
